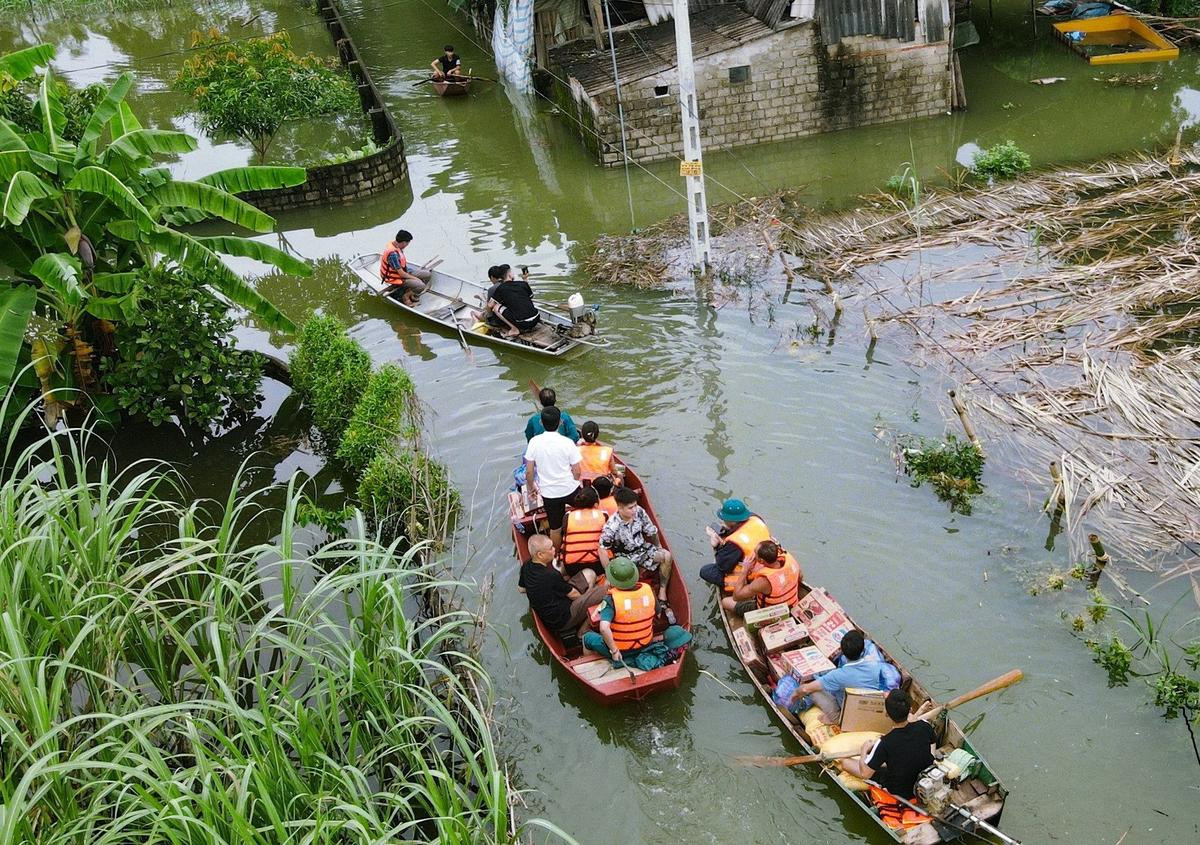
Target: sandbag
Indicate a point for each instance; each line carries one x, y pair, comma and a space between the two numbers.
850, 741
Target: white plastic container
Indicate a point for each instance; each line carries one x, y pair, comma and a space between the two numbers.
576, 305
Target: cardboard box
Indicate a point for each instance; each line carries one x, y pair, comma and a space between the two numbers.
780, 636
827, 634
815, 606
807, 662
764, 616
863, 711
743, 643
779, 666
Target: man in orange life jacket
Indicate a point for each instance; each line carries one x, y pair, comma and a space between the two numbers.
740, 533
626, 614
394, 270
773, 577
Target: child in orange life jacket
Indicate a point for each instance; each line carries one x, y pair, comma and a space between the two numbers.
603, 486
773, 577
597, 457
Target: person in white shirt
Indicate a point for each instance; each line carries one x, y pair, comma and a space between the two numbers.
553, 466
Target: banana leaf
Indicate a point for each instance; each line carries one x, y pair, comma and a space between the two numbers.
24, 189
140, 144
53, 118
115, 308
10, 136
21, 64
16, 306
123, 121
59, 273
103, 113
14, 161
238, 180
115, 282
97, 180
246, 248
213, 202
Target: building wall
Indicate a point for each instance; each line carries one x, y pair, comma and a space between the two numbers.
797, 87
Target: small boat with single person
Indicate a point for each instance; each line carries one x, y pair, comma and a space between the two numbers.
969, 804
604, 682
448, 86
455, 303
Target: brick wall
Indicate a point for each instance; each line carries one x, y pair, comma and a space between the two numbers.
343, 183
797, 87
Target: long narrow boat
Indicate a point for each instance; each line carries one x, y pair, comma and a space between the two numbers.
452, 303
982, 794
604, 682
447, 88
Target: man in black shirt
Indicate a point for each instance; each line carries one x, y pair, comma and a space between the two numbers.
512, 302
447, 64
900, 755
561, 604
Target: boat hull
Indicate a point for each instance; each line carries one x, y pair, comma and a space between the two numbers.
452, 89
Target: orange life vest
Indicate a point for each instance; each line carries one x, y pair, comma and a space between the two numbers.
608, 504
746, 537
597, 459
894, 814
581, 540
386, 274
785, 582
633, 622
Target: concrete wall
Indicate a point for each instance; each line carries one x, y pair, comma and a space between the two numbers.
343, 183
797, 87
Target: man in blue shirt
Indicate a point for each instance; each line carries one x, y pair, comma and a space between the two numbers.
566, 428
860, 671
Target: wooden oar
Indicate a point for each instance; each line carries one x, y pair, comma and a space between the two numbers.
451, 80
1002, 682
781, 762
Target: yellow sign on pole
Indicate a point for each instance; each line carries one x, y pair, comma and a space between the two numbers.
691, 168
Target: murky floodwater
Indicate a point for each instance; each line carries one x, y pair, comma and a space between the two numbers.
708, 403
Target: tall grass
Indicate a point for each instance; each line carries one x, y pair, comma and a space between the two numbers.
166, 678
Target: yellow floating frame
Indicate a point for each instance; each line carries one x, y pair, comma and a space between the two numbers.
1164, 50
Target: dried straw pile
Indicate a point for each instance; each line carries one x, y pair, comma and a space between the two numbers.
1069, 302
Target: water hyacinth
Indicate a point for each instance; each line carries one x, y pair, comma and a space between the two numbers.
167, 677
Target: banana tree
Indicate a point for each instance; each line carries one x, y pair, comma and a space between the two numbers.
78, 221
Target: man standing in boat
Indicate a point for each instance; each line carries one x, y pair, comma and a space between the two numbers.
447, 64
395, 270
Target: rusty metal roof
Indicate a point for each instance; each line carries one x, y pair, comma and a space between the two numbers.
649, 50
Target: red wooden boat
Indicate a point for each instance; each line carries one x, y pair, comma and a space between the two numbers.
604, 682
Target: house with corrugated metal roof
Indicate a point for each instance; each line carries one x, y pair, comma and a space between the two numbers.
766, 70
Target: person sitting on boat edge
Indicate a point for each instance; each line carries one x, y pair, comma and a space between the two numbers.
512, 302
548, 399
631, 533
561, 603
553, 466
896, 759
860, 671
487, 314
597, 457
447, 64
603, 485
773, 577
741, 532
394, 270
581, 534
627, 622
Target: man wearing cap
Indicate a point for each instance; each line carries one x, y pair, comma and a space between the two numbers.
734, 545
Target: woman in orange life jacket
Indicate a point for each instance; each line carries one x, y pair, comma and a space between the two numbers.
597, 457
626, 614
603, 485
394, 270
773, 577
741, 531
581, 535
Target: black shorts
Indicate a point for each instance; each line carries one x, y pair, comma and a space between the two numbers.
556, 509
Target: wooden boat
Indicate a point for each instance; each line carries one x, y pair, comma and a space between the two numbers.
447, 88
604, 682
452, 303
987, 794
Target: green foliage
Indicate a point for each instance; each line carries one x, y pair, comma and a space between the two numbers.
905, 185
1175, 692
331, 521
384, 415
952, 467
408, 495
330, 373
249, 88
368, 148
1116, 659
177, 357
1001, 161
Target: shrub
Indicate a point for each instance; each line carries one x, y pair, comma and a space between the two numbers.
19, 103
250, 88
1002, 161
385, 412
952, 467
176, 356
408, 495
329, 372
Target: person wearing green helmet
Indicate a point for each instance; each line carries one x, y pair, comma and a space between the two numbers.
626, 614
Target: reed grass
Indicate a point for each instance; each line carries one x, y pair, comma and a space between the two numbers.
164, 677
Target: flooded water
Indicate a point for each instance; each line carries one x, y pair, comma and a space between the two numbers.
707, 403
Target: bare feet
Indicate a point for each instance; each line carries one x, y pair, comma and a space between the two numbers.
512, 333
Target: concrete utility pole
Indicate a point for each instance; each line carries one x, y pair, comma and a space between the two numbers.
692, 166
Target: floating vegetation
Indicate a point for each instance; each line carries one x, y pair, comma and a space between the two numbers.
1001, 161
952, 467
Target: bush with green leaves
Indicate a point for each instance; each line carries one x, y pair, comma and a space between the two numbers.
249, 88
952, 467
407, 494
385, 415
330, 372
176, 356
1001, 161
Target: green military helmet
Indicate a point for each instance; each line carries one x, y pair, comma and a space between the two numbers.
622, 573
